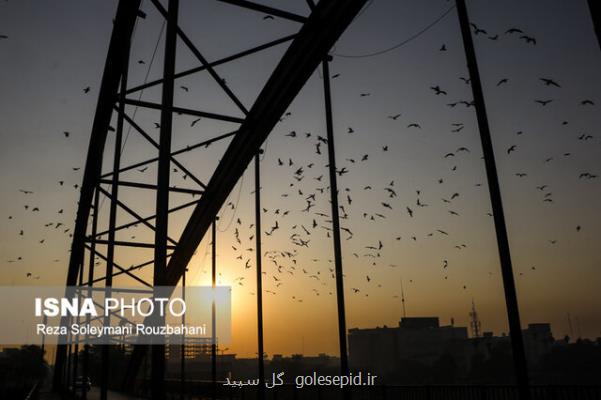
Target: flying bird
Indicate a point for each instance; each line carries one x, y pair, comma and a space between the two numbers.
477, 30
549, 82
437, 90
513, 30
528, 39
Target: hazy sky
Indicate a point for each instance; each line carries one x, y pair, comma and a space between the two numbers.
56, 49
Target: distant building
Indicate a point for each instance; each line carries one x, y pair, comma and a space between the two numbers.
420, 342
195, 347
538, 341
381, 350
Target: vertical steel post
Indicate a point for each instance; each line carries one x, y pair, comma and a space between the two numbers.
260, 351
183, 345
162, 199
213, 316
513, 314
110, 253
335, 219
68, 366
76, 356
86, 351
595, 8
45, 322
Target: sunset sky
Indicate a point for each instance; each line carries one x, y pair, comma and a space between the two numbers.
56, 49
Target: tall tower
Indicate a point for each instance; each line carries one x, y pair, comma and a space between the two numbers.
474, 321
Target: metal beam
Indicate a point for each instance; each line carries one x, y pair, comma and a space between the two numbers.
267, 10
131, 212
161, 237
120, 268
214, 63
187, 111
511, 299
146, 219
182, 361
89, 284
115, 63
335, 222
205, 143
104, 374
259, 255
140, 185
125, 271
213, 316
126, 244
595, 7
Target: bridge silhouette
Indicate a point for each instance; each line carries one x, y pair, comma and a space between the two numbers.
307, 50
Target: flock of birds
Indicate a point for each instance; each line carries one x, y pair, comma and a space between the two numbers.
310, 187
302, 227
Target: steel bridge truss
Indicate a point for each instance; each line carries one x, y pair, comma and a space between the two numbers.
307, 50
95, 244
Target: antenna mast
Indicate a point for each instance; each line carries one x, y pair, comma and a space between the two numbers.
403, 299
570, 326
474, 321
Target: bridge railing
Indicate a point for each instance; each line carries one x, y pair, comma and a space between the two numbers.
196, 388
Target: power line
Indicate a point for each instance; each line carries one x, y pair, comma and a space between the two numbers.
404, 42
145, 81
240, 185
141, 92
